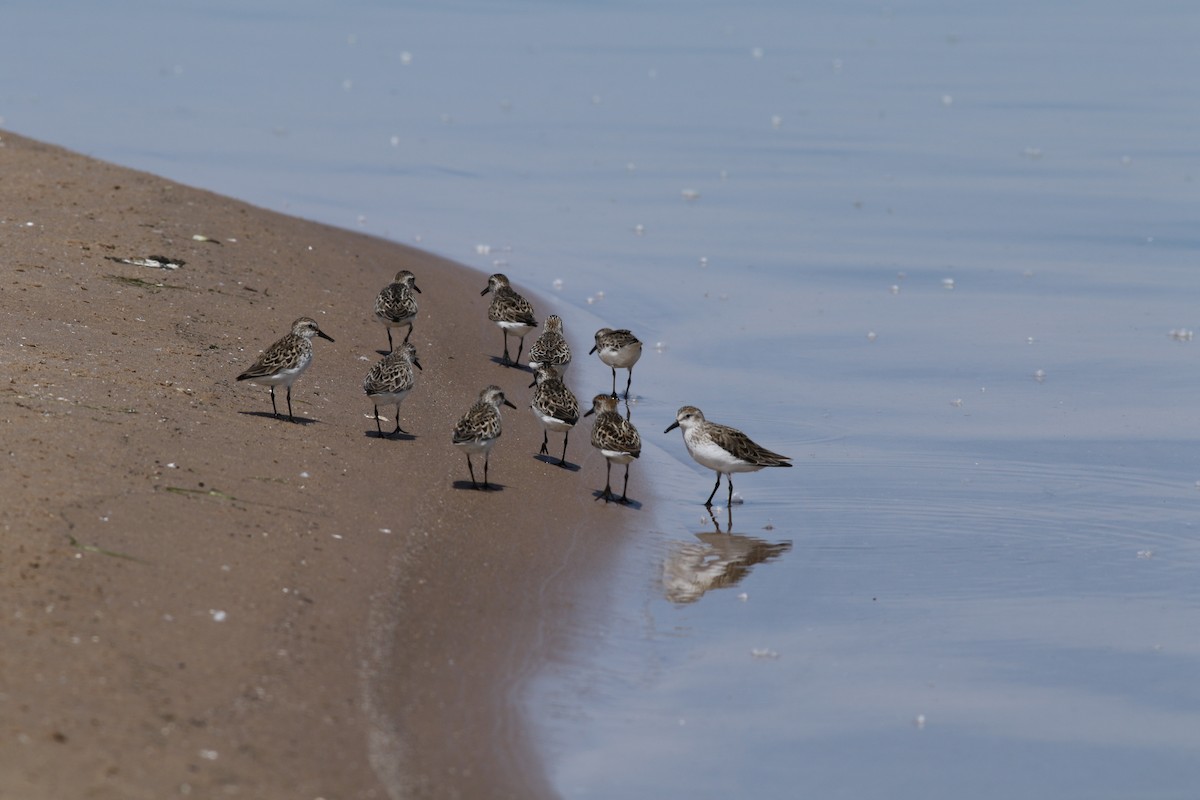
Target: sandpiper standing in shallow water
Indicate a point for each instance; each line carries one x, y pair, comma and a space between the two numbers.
616, 438
551, 348
285, 360
619, 349
510, 311
555, 407
390, 381
722, 448
479, 429
396, 307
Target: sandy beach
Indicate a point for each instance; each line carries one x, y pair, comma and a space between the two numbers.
203, 600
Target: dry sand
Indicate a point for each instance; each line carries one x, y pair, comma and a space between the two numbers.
201, 599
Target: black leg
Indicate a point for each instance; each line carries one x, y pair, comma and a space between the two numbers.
614, 391
708, 502
408, 334
627, 383
273, 408
486, 458
607, 494
562, 462
520, 348
729, 480
545, 441
377, 425
391, 347
474, 485
290, 415
625, 488
507, 360
398, 428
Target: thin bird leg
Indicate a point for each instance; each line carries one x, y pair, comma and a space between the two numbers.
614, 391
708, 502
545, 441
273, 408
607, 494
729, 480
487, 457
625, 488
520, 348
474, 485
291, 416
562, 462
628, 382
377, 425
408, 334
391, 347
398, 428
507, 360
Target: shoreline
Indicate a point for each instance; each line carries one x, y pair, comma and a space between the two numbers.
208, 600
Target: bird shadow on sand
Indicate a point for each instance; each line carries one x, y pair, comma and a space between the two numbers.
552, 461
471, 487
499, 361
616, 501
402, 436
269, 415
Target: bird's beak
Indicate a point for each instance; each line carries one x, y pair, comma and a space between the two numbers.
672, 426
593, 349
590, 411
508, 403
485, 291
324, 335
417, 364
418, 288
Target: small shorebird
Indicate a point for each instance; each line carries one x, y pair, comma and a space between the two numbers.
551, 348
554, 406
619, 349
510, 311
616, 438
396, 307
283, 362
390, 381
479, 429
721, 448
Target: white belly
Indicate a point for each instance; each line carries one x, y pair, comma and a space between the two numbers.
475, 448
618, 456
515, 328
717, 458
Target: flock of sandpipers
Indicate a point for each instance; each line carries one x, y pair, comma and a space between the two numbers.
720, 448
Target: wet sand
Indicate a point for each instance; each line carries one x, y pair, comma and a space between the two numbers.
203, 600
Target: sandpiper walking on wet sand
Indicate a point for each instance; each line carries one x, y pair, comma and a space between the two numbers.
512, 312
551, 348
616, 439
390, 381
620, 350
396, 307
479, 429
555, 407
721, 448
285, 360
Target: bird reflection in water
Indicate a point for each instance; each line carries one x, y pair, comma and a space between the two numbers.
718, 561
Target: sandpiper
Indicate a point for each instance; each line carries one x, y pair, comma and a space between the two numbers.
479, 429
390, 381
285, 360
396, 307
510, 311
616, 439
551, 348
722, 448
555, 407
619, 349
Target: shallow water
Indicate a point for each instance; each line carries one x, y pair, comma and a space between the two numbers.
940, 254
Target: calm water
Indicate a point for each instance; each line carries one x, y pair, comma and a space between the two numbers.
941, 253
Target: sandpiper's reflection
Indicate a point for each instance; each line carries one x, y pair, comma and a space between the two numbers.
719, 560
